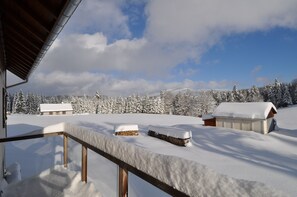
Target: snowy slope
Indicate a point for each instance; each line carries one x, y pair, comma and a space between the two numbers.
270, 159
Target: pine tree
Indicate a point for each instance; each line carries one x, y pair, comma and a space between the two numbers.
20, 105
167, 98
230, 97
286, 97
30, 104
293, 91
237, 95
253, 95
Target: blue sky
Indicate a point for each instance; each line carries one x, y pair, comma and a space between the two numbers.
120, 47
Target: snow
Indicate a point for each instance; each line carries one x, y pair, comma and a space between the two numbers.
172, 170
126, 127
269, 159
57, 181
252, 110
171, 131
13, 173
207, 116
55, 107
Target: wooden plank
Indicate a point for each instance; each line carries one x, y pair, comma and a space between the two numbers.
84, 164
19, 25
21, 45
20, 58
65, 140
12, 48
123, 182
21, 36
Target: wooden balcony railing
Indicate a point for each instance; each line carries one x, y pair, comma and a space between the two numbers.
124, 168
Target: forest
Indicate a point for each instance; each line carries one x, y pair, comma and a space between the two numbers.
188, 102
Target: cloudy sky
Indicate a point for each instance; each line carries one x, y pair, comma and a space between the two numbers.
120, 47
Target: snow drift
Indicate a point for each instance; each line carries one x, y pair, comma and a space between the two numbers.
187, 176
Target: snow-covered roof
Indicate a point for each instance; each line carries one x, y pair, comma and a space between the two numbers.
56, 107
126, 127
253, 110
207, 116
171, 131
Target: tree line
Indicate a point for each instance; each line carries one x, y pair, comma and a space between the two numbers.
188, 103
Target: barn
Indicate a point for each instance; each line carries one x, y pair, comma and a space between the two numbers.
257, 116
209, 120
56, 109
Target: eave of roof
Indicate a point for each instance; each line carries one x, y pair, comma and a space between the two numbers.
28, 29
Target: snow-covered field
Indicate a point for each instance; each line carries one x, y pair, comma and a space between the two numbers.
270, 159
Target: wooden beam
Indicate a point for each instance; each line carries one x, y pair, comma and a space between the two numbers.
20, 10
20, 44
17, 35
12, 48
53, 8
13, 20
84, 164
20, 67
123, 182
20, 58
65, 139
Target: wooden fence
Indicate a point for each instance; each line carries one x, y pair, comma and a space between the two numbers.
123, 167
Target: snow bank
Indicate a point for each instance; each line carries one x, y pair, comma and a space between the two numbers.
126, 127
171, 131
126, 130
187, 176
13, 173
252, 110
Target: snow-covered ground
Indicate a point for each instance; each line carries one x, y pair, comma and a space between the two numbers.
270, 159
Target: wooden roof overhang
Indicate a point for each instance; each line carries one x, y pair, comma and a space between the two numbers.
27, 30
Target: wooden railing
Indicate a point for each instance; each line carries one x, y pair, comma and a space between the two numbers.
124, 168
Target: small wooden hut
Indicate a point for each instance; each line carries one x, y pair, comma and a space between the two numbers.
257, 116
56, 109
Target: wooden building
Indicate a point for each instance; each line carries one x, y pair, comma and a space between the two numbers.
209, 120
258, 116
56, 109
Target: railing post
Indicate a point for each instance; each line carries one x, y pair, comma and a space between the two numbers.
65, 151
84, 164
123, 182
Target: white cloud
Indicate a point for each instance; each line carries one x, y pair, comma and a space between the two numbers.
176, 32
85, 52
100, 16
203, 22
66, 83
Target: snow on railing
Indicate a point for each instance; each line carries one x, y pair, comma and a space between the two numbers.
173, 175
